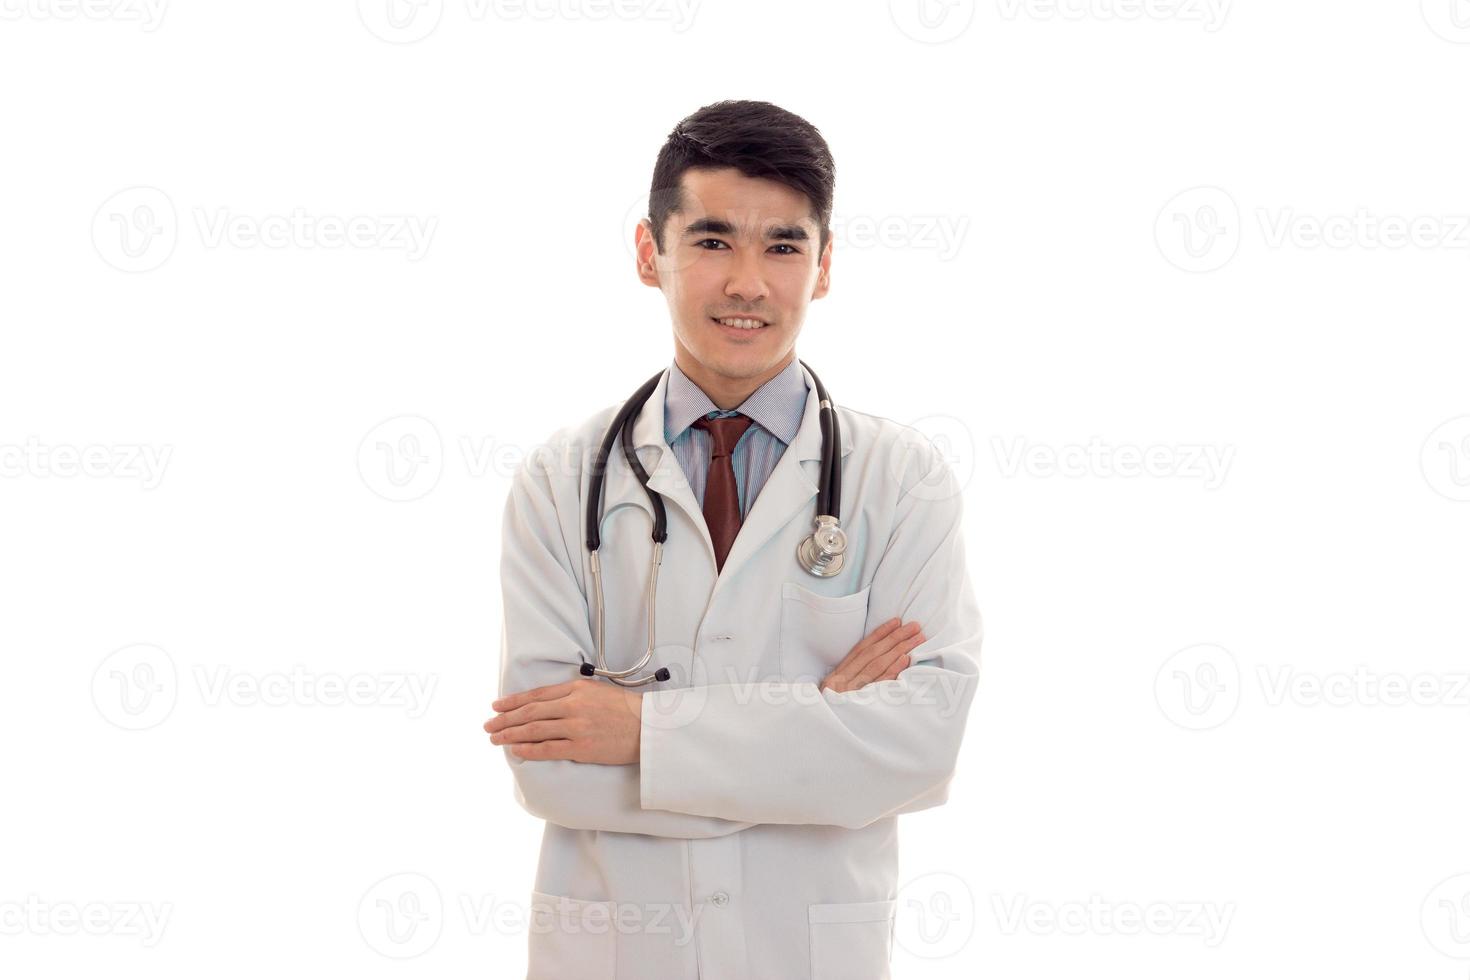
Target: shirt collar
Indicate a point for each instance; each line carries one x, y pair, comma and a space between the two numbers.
776, 406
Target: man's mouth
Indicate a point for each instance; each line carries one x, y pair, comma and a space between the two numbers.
740, 322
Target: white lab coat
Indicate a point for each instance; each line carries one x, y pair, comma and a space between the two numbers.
756, 839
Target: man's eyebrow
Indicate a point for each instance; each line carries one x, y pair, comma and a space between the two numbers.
789, 233
718, 226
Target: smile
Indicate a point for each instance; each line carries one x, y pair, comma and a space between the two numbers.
741, 323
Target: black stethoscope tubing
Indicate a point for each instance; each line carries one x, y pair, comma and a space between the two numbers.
829, 483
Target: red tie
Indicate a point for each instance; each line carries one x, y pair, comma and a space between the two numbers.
721, 498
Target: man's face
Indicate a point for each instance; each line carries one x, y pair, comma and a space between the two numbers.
739, 247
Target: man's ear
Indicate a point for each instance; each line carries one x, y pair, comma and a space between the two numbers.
646, 253
824, 272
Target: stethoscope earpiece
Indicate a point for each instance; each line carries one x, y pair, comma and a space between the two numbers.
822, 553
662, 674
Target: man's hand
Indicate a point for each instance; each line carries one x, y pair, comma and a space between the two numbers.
879, 656
581, 720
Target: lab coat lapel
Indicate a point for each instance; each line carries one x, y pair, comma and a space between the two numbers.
665, 475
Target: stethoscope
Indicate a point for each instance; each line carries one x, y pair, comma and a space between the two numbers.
821, 553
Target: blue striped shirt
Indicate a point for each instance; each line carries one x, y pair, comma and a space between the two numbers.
775, 408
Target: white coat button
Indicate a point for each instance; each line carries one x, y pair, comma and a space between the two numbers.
721, 899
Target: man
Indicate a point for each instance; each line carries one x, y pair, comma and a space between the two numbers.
737, 820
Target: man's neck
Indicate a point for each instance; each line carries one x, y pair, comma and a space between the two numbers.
725, 392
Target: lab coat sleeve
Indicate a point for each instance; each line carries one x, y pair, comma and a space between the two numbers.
545, 629
791, 753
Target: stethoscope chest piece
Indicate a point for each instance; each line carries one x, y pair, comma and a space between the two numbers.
825, 549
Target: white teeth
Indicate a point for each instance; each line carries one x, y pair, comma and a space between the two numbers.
743, 324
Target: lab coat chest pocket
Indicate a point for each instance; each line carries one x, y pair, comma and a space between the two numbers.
817, 631
851, 941
571, 938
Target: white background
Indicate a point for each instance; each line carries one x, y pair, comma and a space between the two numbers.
1071, 233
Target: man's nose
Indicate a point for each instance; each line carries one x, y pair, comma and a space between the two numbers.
746, 281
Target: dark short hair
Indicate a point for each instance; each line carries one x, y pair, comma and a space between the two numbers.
756, 138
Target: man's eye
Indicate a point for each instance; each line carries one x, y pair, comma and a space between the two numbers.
715, 245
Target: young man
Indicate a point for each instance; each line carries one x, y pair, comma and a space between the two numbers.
737, 819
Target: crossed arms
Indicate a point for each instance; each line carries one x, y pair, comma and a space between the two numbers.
708, 761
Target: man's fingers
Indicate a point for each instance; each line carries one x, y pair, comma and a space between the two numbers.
880, 665
533, 731
534, 694
555, 749
881, 648
879, 631
887, 647
868, 646
555, 708
898, 667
